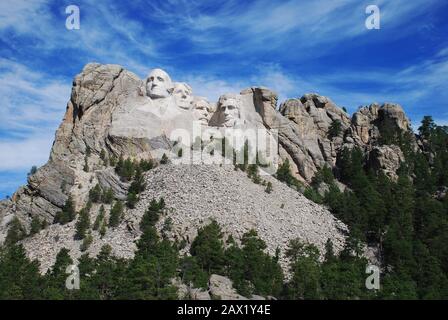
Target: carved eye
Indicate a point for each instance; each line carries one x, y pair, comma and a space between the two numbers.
160, 79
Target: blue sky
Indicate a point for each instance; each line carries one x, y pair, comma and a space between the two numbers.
293, 47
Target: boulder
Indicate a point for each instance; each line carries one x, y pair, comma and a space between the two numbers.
222, 288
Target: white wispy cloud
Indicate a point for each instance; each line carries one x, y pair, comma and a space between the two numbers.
32, 106
238, 28
23, 154
33, 101
30, 100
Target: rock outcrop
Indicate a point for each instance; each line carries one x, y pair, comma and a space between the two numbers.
386, 159
219, 288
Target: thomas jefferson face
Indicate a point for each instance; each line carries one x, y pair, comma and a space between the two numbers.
201, 110
229, 111
182, 94
158, 84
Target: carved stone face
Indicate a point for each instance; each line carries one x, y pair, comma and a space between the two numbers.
201, 110
228, 111
158, 84
182, 93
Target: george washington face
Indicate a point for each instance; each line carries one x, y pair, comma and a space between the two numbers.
158, 84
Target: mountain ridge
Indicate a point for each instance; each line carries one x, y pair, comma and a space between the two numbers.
102, 93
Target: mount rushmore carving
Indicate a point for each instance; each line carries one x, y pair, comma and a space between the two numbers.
168, 99
113, 113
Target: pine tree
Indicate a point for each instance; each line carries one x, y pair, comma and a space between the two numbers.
67, 214
329, 251
86, 242
146, 165
427, 127
113, 161
269, 187
86, 164
33, 171
167, 227
108, 196
305, 269
398, 239
36, 225
192, 274
262, 274
19, 277
128, 170
103, 155
284, 174
119, 166
83, 224
335, 129
164, 159
16, 232
152, 214
95, 194
103, 229
99, 218
56, 277
208, 248
138, 184
116, 214
131, 200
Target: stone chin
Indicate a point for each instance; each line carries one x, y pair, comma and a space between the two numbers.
203, 121
184, 104
158, 93
229, 123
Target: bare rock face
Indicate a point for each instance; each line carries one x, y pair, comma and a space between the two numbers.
307, 141
219, 287
303, 127
362, 124
368, 122
222, 288
96, 91
108, 179
386, 159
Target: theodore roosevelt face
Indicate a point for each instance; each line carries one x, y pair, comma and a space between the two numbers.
201, 110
